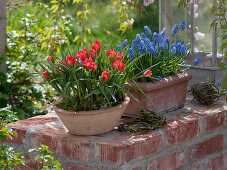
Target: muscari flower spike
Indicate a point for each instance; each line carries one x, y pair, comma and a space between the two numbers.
182, 25
183, 50
147, 31
155, 37
173, 50
134, 44
196, 61
144, 36
159, 78
131, 53
124, 44
138, 38
141, 47
174, 30
118, 48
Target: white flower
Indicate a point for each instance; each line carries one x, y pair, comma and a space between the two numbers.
196, 15
147, 2
199, 35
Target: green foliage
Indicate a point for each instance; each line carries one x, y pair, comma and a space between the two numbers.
45, 157
9, 158
18, 92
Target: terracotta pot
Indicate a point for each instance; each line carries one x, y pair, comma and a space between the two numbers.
167, 95
92, 122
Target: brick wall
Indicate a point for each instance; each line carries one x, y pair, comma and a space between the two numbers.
195, 138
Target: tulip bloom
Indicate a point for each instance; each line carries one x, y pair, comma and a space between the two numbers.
114, 63
80, 55
111, 53
93, 46
92, 53
70, 60
50, 59
105, 76
120, 66
97, 43
45, 74
120, 56
147, 73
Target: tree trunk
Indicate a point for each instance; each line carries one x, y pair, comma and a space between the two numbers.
2, 33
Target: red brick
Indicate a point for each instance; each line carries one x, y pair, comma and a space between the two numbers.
38, 120
216, 120
75, 167
219, 163
20, 138
127, 147
196, 168
30, 164
182, 129
63, 143
171, 162
215, 115
205, 148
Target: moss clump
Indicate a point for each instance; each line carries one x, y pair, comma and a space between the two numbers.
147, 120
94, 102
205, 93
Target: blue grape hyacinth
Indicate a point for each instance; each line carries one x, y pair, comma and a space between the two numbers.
159, 78
134, 44
141, 47
143, 36
138, 38
147, 31
182, 25
196, 61
124, 44
131, 53
183, 50
155, 37
118, 48
173, 50
174, 30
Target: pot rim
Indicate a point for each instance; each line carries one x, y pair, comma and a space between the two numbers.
92, 112
167, 81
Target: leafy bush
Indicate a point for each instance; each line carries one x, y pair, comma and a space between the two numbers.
9, 158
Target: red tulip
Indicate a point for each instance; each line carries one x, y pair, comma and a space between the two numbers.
85, 53
93, 46
147, 73
105, 76
97, 43
80, 55
50, 59
92, 53
45, 74
120, 66
70, 60
111, 53
114, 63
120, 56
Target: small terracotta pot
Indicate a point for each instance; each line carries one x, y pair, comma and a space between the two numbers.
92, 122
167, 95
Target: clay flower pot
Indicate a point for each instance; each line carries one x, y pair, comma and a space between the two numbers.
92, 122
167, 95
